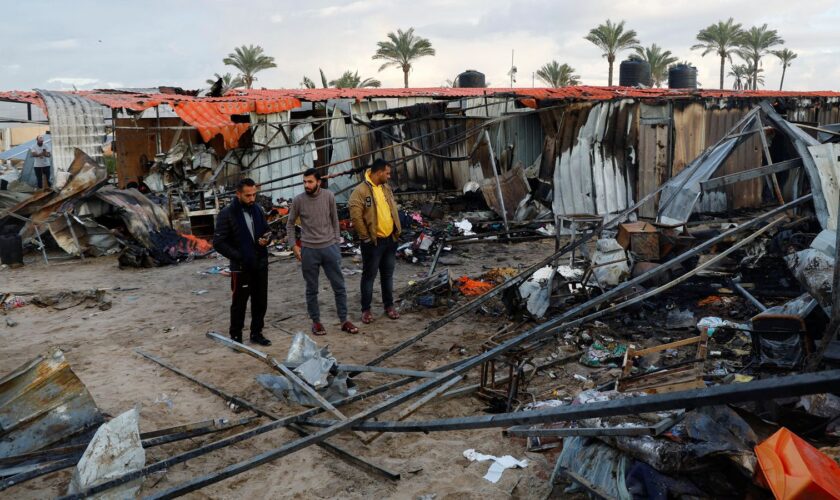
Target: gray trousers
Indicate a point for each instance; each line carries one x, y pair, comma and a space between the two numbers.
312, 260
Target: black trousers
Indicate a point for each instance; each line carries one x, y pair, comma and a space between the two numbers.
245, 284
43, 173
381, 258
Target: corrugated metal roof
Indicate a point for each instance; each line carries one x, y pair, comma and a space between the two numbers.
24, 96
580, 92
277, 100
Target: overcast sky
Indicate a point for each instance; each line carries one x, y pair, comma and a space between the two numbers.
58, 44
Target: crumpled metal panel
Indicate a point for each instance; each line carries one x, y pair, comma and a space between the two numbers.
590, 176
340, 157
141, 216
41, 403
827, 159
683, 190
75, 122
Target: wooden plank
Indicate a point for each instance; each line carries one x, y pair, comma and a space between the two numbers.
671, 345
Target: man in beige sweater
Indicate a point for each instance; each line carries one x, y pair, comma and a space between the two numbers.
320, 236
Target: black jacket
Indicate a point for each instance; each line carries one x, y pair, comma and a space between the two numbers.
226, 239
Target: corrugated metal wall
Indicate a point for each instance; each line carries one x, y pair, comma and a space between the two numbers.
75, 122
594, 159
698, 125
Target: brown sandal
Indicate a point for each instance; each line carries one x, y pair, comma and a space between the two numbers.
392, 313
318, 329
349, 327
367, 317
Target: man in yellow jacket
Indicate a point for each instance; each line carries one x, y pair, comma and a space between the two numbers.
373, 211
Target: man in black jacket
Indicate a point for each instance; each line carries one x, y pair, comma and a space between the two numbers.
241, 235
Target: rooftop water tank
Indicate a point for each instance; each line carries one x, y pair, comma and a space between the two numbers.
634, 72
682, 76
470, 79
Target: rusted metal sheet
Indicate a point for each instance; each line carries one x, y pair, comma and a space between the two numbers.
136, 141
514, 187
654, 146
43, 402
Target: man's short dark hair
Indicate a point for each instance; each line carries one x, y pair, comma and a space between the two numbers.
245, 182
312, 172
378, 165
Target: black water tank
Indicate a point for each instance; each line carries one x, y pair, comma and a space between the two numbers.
682, 76
471, 79
634, 72
11, 250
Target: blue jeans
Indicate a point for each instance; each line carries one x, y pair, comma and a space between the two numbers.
312, 260
382, 258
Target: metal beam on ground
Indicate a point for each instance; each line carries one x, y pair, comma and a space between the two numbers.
351, 458
289, 374
388, 371
759, 390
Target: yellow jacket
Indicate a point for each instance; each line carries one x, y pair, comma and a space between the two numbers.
362, 206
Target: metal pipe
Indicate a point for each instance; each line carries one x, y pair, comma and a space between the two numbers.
759, 390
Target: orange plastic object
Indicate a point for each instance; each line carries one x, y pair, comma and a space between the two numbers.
793, 469
472, 287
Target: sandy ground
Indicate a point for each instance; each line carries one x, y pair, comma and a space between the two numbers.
165, 318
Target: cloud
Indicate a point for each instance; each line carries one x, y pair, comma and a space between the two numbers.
342, 34
351, 8
65, 44
67, 82
12, 68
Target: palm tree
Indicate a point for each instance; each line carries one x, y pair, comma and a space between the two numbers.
307, 82
723, 39
611, 38
754, 44
740, 73
786, 56
249, 61
555, 74
229, 82
401, 49
659, 61
352, 80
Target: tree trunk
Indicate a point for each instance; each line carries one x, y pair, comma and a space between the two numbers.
405, 77
722, 68
782, 83
609, 77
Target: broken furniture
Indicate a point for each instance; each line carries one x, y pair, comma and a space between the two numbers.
641, 239
570, 224
681, 376
196, 210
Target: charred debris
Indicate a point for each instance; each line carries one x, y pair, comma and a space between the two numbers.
678, 339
